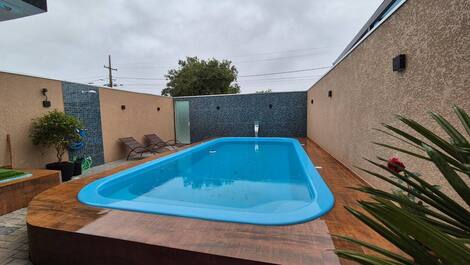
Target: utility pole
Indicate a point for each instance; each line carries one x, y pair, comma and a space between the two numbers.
109, 67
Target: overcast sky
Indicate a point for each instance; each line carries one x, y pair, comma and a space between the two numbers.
146, 38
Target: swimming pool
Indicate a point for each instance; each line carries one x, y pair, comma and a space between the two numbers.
264, 181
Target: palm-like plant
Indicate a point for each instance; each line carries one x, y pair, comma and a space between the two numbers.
430, 227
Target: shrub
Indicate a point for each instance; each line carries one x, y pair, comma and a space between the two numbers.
55, 129
430, 227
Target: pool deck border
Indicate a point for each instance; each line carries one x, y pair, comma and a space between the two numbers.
62, 230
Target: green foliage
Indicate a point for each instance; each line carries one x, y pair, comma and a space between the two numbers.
8, 173
55, 129
201, 77
425, 223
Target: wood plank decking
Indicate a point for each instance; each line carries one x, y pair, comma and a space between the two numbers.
61, 230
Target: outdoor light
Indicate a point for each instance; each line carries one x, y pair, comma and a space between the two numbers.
399, 63
45, 103
330, 93
218, 108
123, 107
270, 106
158, 108
311, 101
91, 91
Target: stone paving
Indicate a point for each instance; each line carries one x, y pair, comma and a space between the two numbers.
13, 235
13, 238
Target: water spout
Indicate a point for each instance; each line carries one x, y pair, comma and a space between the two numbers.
256, 128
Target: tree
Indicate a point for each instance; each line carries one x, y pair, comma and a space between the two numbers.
56, 129
201, 77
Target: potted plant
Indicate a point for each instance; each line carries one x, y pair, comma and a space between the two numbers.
77, 166
57, 129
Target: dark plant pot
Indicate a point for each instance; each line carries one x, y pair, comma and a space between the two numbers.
66, 169
77, 167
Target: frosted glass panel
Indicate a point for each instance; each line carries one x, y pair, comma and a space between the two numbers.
182, 121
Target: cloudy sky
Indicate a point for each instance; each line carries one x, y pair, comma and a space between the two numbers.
146, 38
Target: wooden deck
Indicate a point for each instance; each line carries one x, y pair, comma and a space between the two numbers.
61, 230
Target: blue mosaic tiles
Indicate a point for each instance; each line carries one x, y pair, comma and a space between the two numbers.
279, 114
86, 107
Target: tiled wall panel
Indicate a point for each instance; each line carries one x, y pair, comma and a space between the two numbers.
234, 115
86, 107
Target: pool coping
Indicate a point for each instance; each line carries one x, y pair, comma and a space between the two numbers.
63, 230
321, 203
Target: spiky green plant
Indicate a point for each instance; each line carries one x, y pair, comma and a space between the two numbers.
429, 226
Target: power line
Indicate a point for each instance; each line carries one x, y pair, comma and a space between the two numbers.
242, 55
241, 76
287, 72
285, 51
249, 80
235, 62
141, 78
277, 58
81, 78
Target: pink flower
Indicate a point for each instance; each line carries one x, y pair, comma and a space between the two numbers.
395, 165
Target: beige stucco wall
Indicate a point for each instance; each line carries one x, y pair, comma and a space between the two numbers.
139, 118
435, 36
20, 102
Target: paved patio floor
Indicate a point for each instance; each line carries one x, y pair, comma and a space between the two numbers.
13, 235
13, 238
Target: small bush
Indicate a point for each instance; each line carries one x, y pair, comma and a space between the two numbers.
55, 129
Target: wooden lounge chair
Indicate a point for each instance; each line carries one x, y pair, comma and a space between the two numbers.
134, 146
155, 140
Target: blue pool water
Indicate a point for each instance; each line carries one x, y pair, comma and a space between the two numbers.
266, 181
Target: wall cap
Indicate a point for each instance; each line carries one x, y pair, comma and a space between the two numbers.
247, 94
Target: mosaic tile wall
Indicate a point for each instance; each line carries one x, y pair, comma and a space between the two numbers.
86, 107
279, 114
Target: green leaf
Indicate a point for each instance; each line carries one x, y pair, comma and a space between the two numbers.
402, 150
379, 250
426, 193
409, 225
410, 247
420, 143
457, 228
464, 118
365, 259
433, 196
398, 138
449, 129
438, 141
453, 178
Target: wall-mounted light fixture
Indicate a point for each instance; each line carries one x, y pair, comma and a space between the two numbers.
45, 103
399, 63
91, 91
330, 93
311, 101
123, 107
217, 107
270, 106
158, 108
